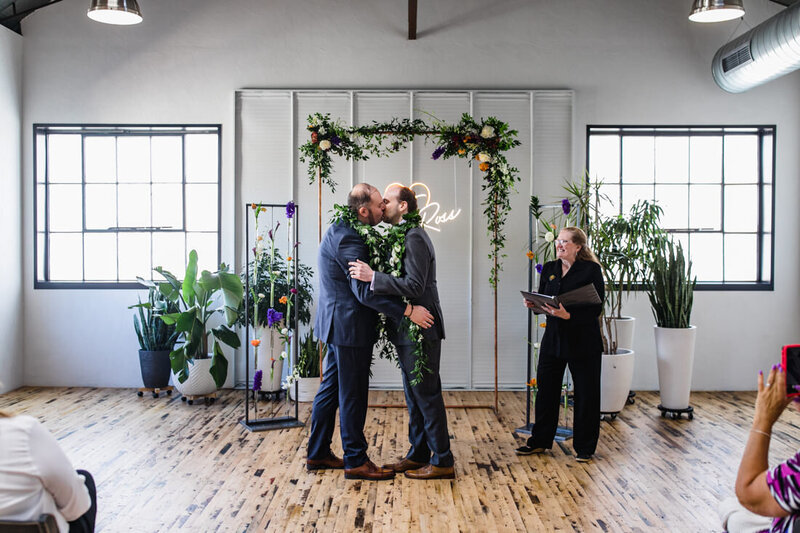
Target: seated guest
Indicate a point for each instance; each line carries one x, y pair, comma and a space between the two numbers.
37, 478
763, 491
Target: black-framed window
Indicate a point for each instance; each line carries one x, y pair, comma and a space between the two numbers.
113, 201
715, 184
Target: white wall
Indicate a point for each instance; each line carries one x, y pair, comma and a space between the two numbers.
629, 63
11, 305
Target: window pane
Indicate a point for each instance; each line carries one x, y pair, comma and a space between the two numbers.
706, 251
40, 209
66, 262
672, 159
134, 206
741, 159
100, 256
100, 159
767, 154
633, 193
168, 206
64, 161
101, 206
604, 158
134, 256
169, 251
740, 254
637, 159
201, 158
705, 207
65, 208
40, 256
167, 159
741, 208
609, 200
673, 200
766, 257
206, 246
705, 160
767, 208
41, 158
201, 207
133, 159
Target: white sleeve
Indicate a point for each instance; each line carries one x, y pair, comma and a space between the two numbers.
57, 474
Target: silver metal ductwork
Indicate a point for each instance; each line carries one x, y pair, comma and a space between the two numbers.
764, 53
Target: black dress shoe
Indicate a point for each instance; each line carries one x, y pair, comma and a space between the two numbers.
528, 450
583, 457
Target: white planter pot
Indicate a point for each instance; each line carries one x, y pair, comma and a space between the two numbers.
199, 382
615, 380
625, 326
675, 356
306, 389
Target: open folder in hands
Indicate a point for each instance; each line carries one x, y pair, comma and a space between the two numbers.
586, 295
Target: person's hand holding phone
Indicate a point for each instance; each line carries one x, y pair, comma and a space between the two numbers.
771, 399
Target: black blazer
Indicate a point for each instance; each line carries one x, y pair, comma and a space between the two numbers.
579, 337
347, 310
418, 284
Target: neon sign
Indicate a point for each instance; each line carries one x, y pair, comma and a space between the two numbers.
431, 212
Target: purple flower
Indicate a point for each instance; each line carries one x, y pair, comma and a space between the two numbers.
290, 207
257, 380
539, 268
438, 152
335, 140
293, 290
565, 206
273, 317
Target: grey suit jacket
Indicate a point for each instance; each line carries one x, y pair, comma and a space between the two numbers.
418, 284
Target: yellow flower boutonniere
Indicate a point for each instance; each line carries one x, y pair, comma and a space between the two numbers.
552, 277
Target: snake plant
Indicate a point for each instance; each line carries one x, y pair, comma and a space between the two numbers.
670, 286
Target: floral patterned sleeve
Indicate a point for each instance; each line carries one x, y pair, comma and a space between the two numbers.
784, 484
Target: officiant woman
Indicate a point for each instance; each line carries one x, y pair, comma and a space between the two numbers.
572, 338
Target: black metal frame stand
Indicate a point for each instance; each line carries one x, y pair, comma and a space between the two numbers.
277, 422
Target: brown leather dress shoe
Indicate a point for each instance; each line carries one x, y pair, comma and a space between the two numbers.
404, 464
321, 464
432, 472
368, 471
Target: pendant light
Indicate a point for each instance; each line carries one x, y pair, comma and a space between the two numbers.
120, 12
716, 10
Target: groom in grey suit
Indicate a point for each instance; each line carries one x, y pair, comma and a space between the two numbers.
429, 456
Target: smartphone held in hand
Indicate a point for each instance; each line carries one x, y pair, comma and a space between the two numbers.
791, 364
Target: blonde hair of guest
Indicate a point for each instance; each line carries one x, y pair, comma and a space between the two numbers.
579, 238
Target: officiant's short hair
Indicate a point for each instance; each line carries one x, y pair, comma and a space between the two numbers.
404, 194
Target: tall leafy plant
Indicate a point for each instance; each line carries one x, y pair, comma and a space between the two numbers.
670, 286
154, 334
197, 299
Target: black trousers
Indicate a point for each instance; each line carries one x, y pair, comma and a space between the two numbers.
427, 419
586, 377
85, 522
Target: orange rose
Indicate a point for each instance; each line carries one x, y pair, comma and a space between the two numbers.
255, 342
289, 258
484, 166
532, 382
283, 299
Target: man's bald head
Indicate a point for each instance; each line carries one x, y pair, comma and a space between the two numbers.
366, 202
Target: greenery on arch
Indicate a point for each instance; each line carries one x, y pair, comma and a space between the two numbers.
484, 143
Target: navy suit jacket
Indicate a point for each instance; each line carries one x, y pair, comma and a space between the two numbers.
347, 311
418, 284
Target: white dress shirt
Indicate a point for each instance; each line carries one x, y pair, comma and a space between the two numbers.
36, 476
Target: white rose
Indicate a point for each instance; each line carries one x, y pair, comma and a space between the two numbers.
549, 237
262, 295
483, 157
283, 355
284, 331
487, 132
325, 145
396, 248
536, 345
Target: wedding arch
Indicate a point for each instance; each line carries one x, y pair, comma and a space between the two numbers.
485, 142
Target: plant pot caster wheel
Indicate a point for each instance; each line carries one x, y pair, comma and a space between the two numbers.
631, 398
676, 414
139, 393
612, 416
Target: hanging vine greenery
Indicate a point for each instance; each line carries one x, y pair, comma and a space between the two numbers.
483, 142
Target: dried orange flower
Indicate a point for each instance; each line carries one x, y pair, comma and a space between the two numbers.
289, 258
255, 342
530, 255
532, 382
543, 325
259, 238
254, 206
283, 299
461, 151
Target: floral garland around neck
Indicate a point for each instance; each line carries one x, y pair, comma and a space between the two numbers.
386, 255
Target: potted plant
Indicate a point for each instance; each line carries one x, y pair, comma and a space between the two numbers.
306, 372
156, 339
670, 288
622, 244
197, 300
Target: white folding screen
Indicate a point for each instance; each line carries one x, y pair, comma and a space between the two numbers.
271, 124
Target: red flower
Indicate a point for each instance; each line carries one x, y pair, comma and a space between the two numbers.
314, 137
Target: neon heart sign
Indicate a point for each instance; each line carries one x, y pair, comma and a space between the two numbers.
431, 212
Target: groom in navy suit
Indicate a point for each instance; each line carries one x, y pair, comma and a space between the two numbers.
346, 320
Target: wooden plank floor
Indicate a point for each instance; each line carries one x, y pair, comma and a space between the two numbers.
162, 465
